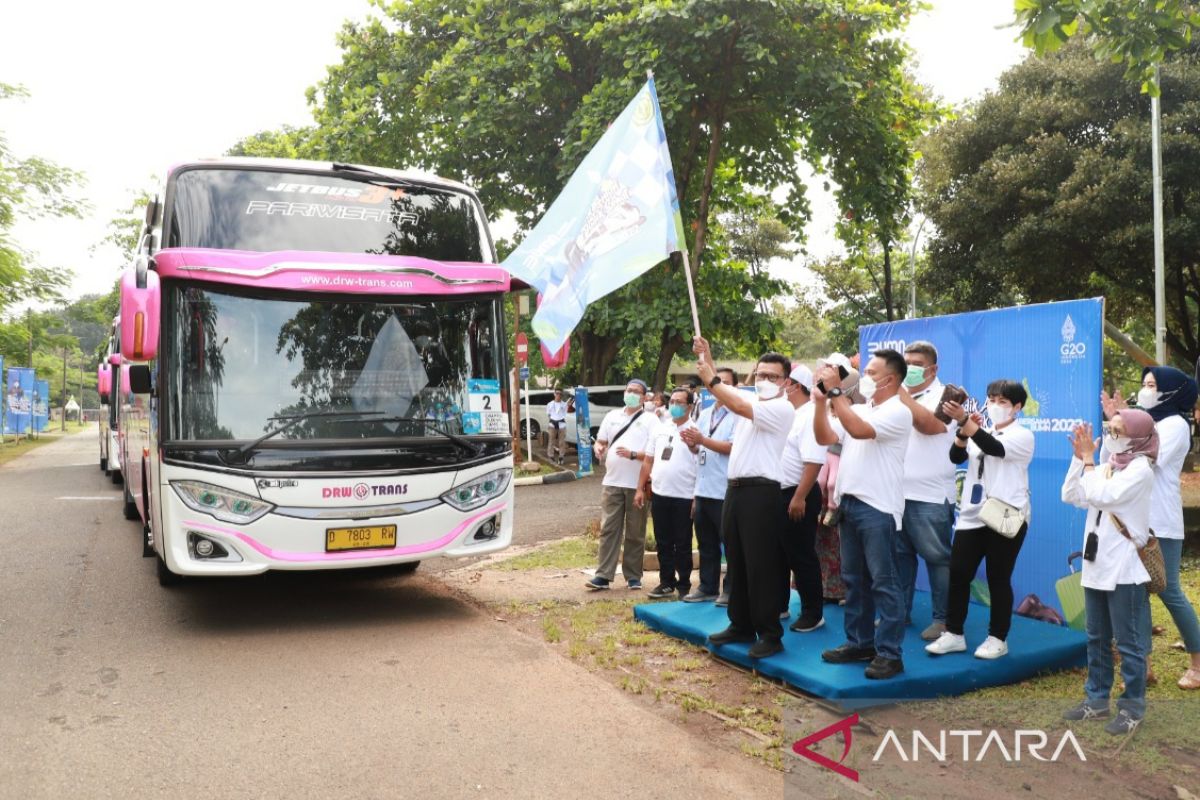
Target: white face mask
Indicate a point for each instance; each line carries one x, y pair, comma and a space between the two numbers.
1149, 398
998, 414
648, 405
766, 390
867, 387
1119, 445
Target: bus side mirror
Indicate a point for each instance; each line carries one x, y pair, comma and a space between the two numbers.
103, 382
125, 382
139, 378
115, 360
140, 305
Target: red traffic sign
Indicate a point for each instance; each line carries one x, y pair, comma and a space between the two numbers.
522, 349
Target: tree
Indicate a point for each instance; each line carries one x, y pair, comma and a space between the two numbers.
1040, 192
509, 97
1134, 33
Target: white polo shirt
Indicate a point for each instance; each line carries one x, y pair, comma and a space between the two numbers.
801, 447
1006, 479
556, 410
758, 441
873, 469
1104, 492
674, 476
620, 472
928, 470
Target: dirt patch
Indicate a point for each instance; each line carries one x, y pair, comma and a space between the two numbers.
750, 716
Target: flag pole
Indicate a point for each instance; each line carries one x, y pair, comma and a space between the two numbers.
687, 264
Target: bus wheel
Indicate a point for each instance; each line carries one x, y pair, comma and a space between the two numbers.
165, 576
130, 510
407, 568
103, 464
147, 542
116, 476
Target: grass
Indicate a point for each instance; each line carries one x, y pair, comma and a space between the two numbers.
1170, 724
542, 469
12, 449
575, 552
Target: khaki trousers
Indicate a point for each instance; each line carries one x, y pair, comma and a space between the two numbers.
558, 442
621, 520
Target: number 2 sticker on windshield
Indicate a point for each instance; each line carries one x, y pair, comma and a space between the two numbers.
483, 395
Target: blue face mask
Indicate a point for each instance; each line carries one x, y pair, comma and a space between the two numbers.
677, 412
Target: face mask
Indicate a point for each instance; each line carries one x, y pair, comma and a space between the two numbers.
649, 406
867, 387
998, 414
632, 399
766, 390
677, 412
1149, 398
915, 376
1119, 445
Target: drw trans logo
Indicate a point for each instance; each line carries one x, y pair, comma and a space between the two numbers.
1071, 350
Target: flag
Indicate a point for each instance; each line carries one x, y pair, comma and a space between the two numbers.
617, 217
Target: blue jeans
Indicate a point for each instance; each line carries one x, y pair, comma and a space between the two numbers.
872, 583
1122, 614
1175, 600
926, 533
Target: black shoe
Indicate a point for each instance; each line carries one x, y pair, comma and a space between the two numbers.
662, 590
1122, 724
730, 635
764, 648
1086, 711
809, 621
848, 653
882, 668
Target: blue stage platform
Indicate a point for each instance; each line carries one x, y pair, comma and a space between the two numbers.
1034, 647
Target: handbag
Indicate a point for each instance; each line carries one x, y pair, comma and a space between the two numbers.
1004, 519
1151, 556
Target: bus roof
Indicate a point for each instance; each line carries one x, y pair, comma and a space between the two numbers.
418, 175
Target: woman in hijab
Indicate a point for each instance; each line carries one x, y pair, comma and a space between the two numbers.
1169, 396
1117, 497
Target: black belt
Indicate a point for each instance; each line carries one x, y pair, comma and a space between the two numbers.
736, 482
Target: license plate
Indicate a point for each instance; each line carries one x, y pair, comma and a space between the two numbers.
373, 537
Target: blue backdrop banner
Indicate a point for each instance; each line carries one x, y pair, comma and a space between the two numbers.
18, 400
1056, 351
41, 405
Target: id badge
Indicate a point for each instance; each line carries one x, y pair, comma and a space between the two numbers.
666, 453
977, 494
701, 458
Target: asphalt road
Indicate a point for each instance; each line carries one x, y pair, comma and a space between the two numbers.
335, 685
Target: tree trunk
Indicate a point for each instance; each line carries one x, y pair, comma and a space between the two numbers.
597, 357
887, 280
670, 346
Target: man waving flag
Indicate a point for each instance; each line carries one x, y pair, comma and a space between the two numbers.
617, 217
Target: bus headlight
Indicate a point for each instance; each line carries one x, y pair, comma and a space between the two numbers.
478, 491
217, 501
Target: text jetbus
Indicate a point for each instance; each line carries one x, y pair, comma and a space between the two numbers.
315, 353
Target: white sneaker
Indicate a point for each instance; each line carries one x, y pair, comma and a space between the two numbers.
992, 648
947, 643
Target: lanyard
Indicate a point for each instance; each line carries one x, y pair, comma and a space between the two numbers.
716, 421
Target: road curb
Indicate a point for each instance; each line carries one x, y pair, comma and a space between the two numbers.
553, 477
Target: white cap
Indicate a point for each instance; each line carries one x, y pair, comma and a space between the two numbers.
836, 360
802, 375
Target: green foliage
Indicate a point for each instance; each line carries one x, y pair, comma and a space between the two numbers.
287, 142
123, 230
1042, 192
30, 187
1135, 33
510, 97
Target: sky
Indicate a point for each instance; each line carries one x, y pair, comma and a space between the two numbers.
132, 86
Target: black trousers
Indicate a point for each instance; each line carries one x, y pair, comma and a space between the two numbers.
750, 526
799, 541
971, 546
708, 539
673, 537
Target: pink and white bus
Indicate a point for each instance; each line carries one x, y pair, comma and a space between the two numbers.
314, 353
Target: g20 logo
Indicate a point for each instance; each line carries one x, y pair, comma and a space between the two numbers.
1073, 349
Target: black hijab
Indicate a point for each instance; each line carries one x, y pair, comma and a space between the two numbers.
1176, 391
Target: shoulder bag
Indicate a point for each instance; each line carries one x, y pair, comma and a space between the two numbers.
998, 515
1151, 556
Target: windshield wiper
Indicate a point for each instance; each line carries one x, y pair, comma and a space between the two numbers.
364, 175
292, 420
475, 448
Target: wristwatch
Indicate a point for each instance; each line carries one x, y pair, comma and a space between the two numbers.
835, 392
716, 379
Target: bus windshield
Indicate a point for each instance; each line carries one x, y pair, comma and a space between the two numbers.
374, 369
264, 211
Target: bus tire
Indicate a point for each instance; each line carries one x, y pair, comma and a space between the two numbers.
147, 542
116, 477
130, 509
165, 576
407, 568
103, 464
